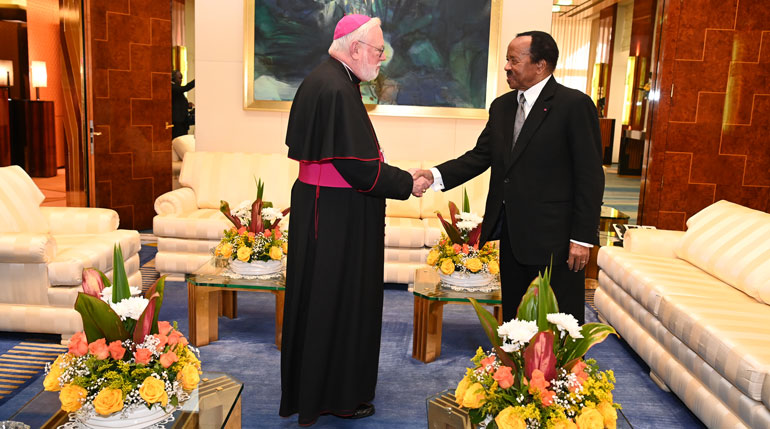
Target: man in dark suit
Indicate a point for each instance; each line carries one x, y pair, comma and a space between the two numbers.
545, 191
179, 105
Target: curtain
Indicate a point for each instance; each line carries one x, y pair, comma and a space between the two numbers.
177, 23
573, 36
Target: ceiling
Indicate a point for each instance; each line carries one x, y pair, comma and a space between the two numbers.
580, 8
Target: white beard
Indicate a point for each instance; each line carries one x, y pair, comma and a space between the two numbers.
368, 72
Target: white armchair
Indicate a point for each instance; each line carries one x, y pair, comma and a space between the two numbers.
43, 251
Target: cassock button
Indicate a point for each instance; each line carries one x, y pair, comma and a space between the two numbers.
505, 181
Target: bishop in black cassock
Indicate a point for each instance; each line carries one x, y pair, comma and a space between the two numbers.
334, 274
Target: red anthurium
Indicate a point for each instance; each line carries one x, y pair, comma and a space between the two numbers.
144, 324
539, 355
92, 282
453, 212
451, 231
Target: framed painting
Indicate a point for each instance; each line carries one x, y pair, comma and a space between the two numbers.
441, 54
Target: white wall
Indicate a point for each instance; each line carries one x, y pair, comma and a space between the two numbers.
223, 125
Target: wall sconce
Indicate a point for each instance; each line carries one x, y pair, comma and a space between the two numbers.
38, 76
6, 73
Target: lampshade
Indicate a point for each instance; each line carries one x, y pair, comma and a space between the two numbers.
38, 74
6, 73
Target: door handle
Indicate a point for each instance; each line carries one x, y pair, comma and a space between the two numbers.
169, 125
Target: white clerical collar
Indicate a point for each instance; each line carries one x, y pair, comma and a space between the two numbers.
347, 69
531, 94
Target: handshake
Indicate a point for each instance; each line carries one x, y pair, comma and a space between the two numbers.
422, 181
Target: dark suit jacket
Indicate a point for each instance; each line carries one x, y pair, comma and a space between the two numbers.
552, 182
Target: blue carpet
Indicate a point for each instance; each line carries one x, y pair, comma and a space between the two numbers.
246, 351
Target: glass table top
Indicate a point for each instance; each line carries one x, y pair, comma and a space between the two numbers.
210, 405
428, 286
212, 275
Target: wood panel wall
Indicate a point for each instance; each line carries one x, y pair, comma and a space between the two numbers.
709, 140
131, 79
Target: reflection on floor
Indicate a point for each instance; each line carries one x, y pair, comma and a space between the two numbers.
621, 192
54, 189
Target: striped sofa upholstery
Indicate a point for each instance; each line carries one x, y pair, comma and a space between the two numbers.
43, 251
188, 222
694, 305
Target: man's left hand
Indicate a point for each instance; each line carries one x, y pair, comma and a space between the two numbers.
578, 256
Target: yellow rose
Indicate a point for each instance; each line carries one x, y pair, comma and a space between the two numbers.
51, 382
433, 257
189, 377
447, 266
590, 418
226, 250
244, 253
474, 265
218, 250
474, 396
276, 253
72, 398
153, 390
609, 413
564, 424
285, 247
108, 401
493, 267
462, 386
510, 419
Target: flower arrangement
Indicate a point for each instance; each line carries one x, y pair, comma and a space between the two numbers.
536, 376
124, 359
458, 248
256, 234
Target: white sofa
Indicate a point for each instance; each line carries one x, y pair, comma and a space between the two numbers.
188, 222
694, 306
179, 148
43, 251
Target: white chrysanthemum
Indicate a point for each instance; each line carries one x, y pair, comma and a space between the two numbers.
270, 214
517, 331
510, 348
130, 308
466, 225
107, 292
566, 322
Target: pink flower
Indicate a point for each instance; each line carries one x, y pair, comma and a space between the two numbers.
503, 377
143, 356
268, 233
241, 230
78, 344
99, 349
487, 363
168, 359
175, 338
251, 235
164, 327
117, 350
163, 340
579, 370
277, 233
465, 248
457, 248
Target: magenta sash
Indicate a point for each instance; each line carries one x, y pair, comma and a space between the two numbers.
321, 173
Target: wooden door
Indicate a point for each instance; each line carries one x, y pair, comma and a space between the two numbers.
129, 73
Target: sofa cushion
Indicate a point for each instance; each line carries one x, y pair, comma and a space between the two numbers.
203, 224
181, 146
76, 252
232, 176
648, 278
406, 254
403, 232
20, 202
726, 328
732, 243
433, 230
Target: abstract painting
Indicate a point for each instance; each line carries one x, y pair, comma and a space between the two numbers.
438, 52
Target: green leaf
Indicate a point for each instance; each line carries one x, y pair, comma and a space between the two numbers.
466, 202
488, 322
120, 290
546, 300
99, 320
528, 306
451, 230
593, 333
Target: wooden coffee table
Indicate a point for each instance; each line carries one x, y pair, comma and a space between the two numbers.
211, 294
429, 301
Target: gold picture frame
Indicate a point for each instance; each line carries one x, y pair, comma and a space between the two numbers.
250, 103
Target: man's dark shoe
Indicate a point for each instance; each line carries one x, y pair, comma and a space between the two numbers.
363, 410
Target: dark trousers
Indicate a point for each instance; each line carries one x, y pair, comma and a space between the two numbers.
568, 286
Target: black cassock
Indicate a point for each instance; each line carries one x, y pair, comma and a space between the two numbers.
334, 275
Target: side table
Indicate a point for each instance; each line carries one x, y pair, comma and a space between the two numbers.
429, 301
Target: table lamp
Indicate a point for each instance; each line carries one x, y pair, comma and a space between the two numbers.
38, 75
6, 73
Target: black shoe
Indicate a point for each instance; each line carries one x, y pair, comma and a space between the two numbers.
363, 410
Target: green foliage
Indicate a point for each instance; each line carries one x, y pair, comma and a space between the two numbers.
120, 289
99, 320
